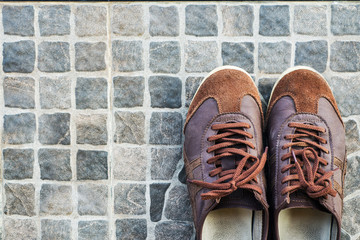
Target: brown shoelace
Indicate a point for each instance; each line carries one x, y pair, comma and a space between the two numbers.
311, 178
244, 175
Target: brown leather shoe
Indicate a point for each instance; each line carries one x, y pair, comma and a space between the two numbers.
224, 160
307, 157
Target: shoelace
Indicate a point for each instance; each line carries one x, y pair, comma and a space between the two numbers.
313, 179
244, 175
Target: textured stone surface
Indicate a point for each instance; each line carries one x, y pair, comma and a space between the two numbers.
90, 21
55, 93
54, 57
312, 54
165, 57
310, 20
201, 20
191, 86
93, 230
130, 127
344, 56
55, 199
93, 199
165, 91
238, 54
201, 56
20, 199
90, 56
265, 87
129, 163
19, 56
18, 20
128, 91
178, 204
19, 92
351, 213
164, 21
18, 163
130, 199
165, 128
274, 57
91, 93
55, 164
352, 180
91, 165
128, 20
345, 19
129, 229
19, 128
274, 20
127, 56
352, 134
24, 229
238, 20
54, 20
91, 129
54, 128
157, 196
164, 162
175, 230
55, 229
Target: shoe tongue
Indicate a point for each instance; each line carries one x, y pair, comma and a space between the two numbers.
241, 198
300, 199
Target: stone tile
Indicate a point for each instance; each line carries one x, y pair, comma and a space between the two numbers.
54, 57
20, 199
55, 199
165, 91
129, 229
201, 20
92, 199
165, 128
93, 230
91, 165
18, 163
164, 21
182, 175
90, 21
346, 92
274, 20
130, 127
129, 163
55, 229
178, 204
352, 135
265, 87
127, 56
157, 195
128, 91
19, 92
128, 20
238, 20
55, 164
19, 128
19, 56
238, 54
201, 56
312, 54
310, 20
344, 56
274, 57
344, 235
24, 229
91, 93
352, 180
345, 19
91, 129
164, 162
175, 230
54, 128
191, 86
55, 93
165, 57
351, 216
90, 56
54, 20
130, 199
18, 20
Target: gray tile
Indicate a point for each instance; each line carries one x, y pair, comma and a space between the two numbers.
191, 86
91, 93
178, 204
274, 57
55, 164
55, 92
238, 20
345, 19
91, 165
130, 199
129, 229
18, 20
164, 21
127, 56
157, 196
165, 91
90, 56
201, 56
91, 129
165, 128
90, 21
54, 129
54, 20
312, 54
344, 56
352, 175
164, 162
274, 20
55, 199
19, 128
175, 230
165, 57
19, 92
55, 229
20, 199
54, 57
19, 56
130, 127
352, 134
265, 87
24, 229
128, 20
18, 163
93, 230
351, 216
92, 199
128, 91
201, 20
310, 20
238, 54
129, 163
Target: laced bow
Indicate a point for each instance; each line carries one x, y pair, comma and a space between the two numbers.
244, 175
311, 178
